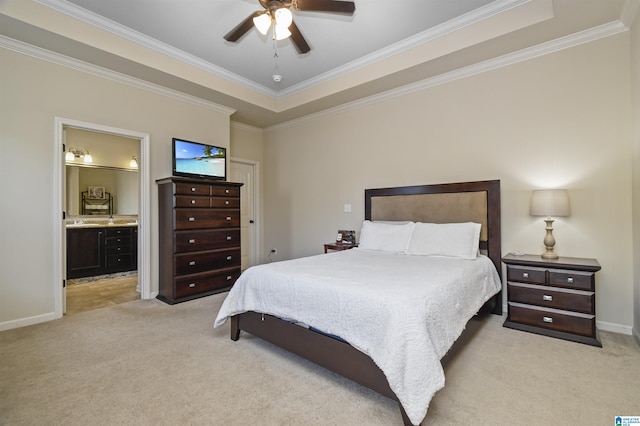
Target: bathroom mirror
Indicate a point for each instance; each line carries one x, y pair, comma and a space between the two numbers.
121, 185
104, 161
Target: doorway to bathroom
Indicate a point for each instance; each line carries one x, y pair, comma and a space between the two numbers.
104, 256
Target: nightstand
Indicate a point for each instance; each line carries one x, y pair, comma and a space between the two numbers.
553, 297
338, 246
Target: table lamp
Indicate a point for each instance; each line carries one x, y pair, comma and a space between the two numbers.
549, 202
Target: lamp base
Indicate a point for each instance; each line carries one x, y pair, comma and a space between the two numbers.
549, 241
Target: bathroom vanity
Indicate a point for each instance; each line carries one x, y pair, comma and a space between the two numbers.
101, 248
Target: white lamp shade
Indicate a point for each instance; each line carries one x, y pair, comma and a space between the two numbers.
88, 158
550, 202
282, 32
284, 17
262, 23
69, 156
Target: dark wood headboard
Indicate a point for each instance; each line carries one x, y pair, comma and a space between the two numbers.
445, 203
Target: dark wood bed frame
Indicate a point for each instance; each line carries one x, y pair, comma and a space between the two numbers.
342, 358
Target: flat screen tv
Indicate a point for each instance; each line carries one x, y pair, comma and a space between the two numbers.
194, 159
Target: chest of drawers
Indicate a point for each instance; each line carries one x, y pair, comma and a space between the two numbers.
555, 298
199, 246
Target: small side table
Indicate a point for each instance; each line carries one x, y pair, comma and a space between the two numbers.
555, 298
338, 246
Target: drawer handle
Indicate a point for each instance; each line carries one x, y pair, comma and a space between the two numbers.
229, 238
226, 191
547, 298
547, 319
192, 241
570, 280
228, 277
192, 219
193, 201
226, 202
228, 217
525, 275
192, 285
192, 263
228, 257
193, 189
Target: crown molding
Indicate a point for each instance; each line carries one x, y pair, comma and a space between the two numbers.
95, 20
65, 61
429, 35
247, 127
136, 37
567, 42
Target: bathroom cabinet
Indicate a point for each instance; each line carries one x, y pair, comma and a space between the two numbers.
101, 250
84, 252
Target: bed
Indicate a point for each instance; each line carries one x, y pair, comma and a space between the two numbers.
350, 326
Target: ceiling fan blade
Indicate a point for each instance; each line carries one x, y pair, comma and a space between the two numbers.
242, 27
326, 5
298, 39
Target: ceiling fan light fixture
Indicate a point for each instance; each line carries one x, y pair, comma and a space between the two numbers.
281, 32
262, 23
283, 17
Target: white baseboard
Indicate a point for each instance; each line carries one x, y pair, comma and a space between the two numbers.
23, 322
614, 328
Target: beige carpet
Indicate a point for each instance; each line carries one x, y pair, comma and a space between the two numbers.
147, 363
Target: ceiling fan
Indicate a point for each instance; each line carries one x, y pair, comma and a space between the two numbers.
277, 15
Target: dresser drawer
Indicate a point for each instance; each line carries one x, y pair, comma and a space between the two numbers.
204, 282
225, 202
206, 218
566, 299
187, 241
526, 274
190, 263
553, 319
572, 279
192, 201
222, 191
183, 188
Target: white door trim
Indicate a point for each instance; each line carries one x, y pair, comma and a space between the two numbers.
144, 213
255, 250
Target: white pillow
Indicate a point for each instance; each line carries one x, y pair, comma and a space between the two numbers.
385, 237
458, 240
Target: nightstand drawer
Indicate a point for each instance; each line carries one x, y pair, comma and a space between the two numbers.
553, 319
549, 297
572, 279
526, 274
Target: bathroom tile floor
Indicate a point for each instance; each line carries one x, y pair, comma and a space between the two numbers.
87, 294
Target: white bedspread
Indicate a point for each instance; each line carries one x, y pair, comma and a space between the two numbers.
404, 311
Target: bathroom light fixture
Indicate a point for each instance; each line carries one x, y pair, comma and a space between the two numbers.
549, 202
134, 162
73, 153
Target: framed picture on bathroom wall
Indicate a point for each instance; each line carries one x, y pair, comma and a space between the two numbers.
96, 192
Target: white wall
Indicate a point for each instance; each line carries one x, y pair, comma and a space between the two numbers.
34, 92
561, 120
635, 85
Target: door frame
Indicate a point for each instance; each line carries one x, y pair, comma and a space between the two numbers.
59, 190
255, 229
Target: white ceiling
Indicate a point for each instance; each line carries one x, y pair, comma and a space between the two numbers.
385, 44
